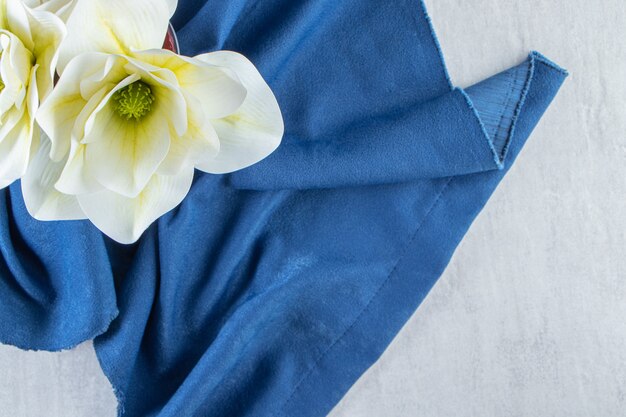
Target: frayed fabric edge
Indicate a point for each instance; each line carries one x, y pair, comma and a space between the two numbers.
500, 157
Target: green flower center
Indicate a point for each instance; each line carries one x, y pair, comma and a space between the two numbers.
133, 101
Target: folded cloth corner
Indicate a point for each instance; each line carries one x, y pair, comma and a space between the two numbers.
457, 133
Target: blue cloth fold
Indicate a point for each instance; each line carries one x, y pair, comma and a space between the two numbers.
269, 291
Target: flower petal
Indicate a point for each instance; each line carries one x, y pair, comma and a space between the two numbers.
76, 177
172, 5
124, 219
199, 143
42, 200
98, 103
48, 32
17, 21
255, 130
61, 8
19, 138
15, 147
109, 70
57, 114
15, 71
218, 90
114, 26
126, 152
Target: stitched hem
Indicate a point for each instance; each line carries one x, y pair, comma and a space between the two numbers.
513, 102
499, 138
365, 308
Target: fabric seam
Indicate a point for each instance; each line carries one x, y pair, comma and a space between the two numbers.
372, 298
507, 102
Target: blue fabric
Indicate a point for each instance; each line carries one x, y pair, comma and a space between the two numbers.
268, 292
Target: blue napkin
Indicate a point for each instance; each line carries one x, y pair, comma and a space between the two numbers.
269, 291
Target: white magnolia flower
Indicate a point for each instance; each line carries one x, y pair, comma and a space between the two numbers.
128, 125
29, 43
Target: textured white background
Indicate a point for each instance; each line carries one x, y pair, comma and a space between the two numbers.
530, 317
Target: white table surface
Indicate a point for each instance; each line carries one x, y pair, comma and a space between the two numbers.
530, 317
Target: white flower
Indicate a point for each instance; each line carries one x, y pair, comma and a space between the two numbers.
129, 124
29, 43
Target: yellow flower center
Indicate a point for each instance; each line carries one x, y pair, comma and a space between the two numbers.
133, 101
